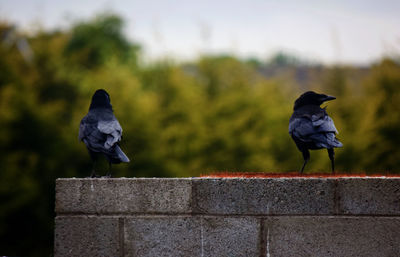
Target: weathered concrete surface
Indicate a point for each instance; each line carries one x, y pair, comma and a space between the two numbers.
228, 217
113, 196
227, 236
289, 196
264, 196
332, 236
373, 196
87, 236
162, 236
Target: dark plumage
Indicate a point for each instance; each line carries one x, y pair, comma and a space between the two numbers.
311, 128
101, 131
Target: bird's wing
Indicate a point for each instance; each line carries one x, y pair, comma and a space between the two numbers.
112, 129
90, 135
82, 130
304, 126
319, 129
311, 120
301, 127
85, 127
325, 124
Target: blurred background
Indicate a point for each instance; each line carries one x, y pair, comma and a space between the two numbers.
198, 87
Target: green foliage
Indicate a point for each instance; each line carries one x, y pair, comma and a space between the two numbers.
383, 116
212, 114
284, 59
92, 43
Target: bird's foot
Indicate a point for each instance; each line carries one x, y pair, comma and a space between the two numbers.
94, 175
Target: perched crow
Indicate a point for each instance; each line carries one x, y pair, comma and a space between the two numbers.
101, 131
311, 128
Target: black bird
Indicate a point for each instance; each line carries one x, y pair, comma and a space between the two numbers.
311, 128
101, 131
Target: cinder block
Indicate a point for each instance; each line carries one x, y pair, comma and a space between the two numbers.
192, 236
162, 237
122, 195
332, 236
86, 236
369, 196
224, 236
263, 196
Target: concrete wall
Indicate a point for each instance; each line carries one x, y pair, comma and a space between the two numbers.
228, 217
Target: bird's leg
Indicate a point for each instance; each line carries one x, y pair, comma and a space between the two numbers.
109, 170
306, 156
331, 154
93, 174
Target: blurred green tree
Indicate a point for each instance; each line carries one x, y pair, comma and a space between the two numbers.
93, 43
382, 117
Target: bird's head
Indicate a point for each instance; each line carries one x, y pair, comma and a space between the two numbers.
312, 98
100, 99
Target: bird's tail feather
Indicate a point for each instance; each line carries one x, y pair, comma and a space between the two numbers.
119, 156
122, 155
326, 140
333, 141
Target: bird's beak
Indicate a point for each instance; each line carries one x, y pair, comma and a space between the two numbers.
329, 98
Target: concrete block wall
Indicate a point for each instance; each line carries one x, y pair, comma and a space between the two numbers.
230, 217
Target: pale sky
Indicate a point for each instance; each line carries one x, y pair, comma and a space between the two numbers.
330, 31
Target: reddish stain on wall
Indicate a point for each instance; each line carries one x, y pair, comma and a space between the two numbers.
227, 174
